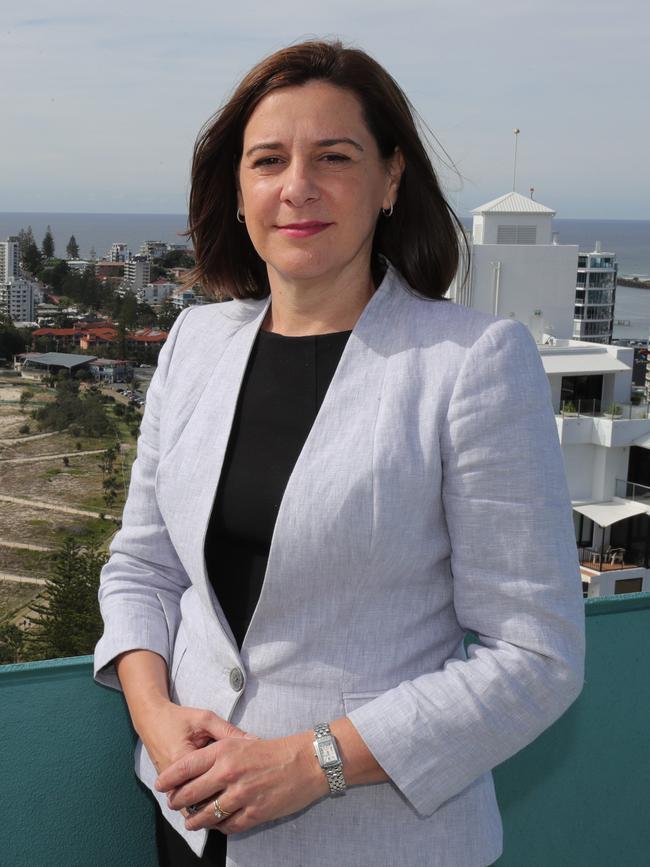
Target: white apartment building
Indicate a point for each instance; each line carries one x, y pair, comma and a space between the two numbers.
137, 273
517, 269
185, 297
593, 318
156, 292
18, 299
119, 252
153, 249
9, 260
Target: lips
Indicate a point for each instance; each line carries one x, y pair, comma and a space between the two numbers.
304, 229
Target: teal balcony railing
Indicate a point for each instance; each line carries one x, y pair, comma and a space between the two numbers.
576, 797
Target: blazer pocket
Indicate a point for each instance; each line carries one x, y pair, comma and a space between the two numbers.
353, 700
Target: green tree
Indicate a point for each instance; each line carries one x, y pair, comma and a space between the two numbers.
11, 341
25, 396
25, 237
55, 275
72, 248
68, 622
48, 244
31, 257
177, 259
168, 314
12, 640
108, 460
110, 487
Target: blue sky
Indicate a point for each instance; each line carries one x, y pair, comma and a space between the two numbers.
100, 105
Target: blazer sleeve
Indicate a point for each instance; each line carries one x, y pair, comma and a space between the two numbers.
515, 582
143, 581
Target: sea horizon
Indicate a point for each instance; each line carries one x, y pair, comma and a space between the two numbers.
629, 239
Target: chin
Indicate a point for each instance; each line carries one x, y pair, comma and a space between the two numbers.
301, 268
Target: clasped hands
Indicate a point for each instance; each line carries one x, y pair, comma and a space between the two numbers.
255, 780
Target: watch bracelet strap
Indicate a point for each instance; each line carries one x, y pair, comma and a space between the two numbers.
322, 729
334, 775
336, 780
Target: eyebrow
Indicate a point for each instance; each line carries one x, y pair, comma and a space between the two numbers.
323, 143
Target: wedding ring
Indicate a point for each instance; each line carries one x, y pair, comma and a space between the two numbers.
219, 813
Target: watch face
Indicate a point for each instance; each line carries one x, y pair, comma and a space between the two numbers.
327, 753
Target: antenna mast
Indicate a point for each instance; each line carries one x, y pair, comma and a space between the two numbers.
516, 131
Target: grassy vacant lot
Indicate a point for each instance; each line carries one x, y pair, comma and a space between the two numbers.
24, 563
56, 444
78, 485
32, 526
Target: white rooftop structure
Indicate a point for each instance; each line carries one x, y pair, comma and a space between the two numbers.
580, 358
513, 203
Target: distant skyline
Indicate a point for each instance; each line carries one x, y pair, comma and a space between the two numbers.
100, 107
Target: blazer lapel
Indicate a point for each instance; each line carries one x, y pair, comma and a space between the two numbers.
191, 470
326, 512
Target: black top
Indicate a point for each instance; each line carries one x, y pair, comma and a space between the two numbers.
283, 387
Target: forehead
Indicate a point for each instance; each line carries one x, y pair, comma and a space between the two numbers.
315, 109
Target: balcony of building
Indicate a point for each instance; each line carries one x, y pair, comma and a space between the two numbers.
613, 539
576, 797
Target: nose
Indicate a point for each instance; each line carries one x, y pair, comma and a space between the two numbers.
299, 184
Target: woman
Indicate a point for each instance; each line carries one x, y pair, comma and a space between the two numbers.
337, 479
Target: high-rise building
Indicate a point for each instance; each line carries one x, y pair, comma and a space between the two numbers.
153, 249
9, 260
119, 252
137, 273
18, 299
593, 318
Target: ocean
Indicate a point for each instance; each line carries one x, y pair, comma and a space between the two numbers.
629, 239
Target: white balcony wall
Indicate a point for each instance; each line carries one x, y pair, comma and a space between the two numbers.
516, 280
579, 461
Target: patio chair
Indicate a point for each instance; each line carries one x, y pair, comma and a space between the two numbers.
616, 555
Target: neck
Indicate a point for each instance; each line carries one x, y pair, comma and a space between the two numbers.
322, 306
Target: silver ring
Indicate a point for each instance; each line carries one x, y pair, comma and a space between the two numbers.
219, 813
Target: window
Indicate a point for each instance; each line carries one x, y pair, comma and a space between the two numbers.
628, 585
517, 235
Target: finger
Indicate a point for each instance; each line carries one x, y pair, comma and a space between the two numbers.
188, 767
196, 791
206, 818
219, 728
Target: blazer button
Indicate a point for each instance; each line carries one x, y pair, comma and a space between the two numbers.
236, 679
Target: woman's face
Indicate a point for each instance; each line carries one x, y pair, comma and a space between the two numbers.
311, 183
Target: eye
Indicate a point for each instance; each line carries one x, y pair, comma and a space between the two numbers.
265, 162
334, 158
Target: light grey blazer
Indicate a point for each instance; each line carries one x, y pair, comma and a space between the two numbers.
429, 499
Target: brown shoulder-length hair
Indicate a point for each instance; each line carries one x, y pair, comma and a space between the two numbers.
421, 239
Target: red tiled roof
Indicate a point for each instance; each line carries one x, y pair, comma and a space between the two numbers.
56, 332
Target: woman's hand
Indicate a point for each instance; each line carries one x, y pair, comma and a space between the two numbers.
172, 732
255, 780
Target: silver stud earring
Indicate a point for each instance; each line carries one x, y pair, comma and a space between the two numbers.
388, 212
240, 216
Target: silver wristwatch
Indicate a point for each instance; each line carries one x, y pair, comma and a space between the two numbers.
329, 758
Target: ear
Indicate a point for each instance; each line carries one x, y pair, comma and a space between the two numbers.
395, 169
